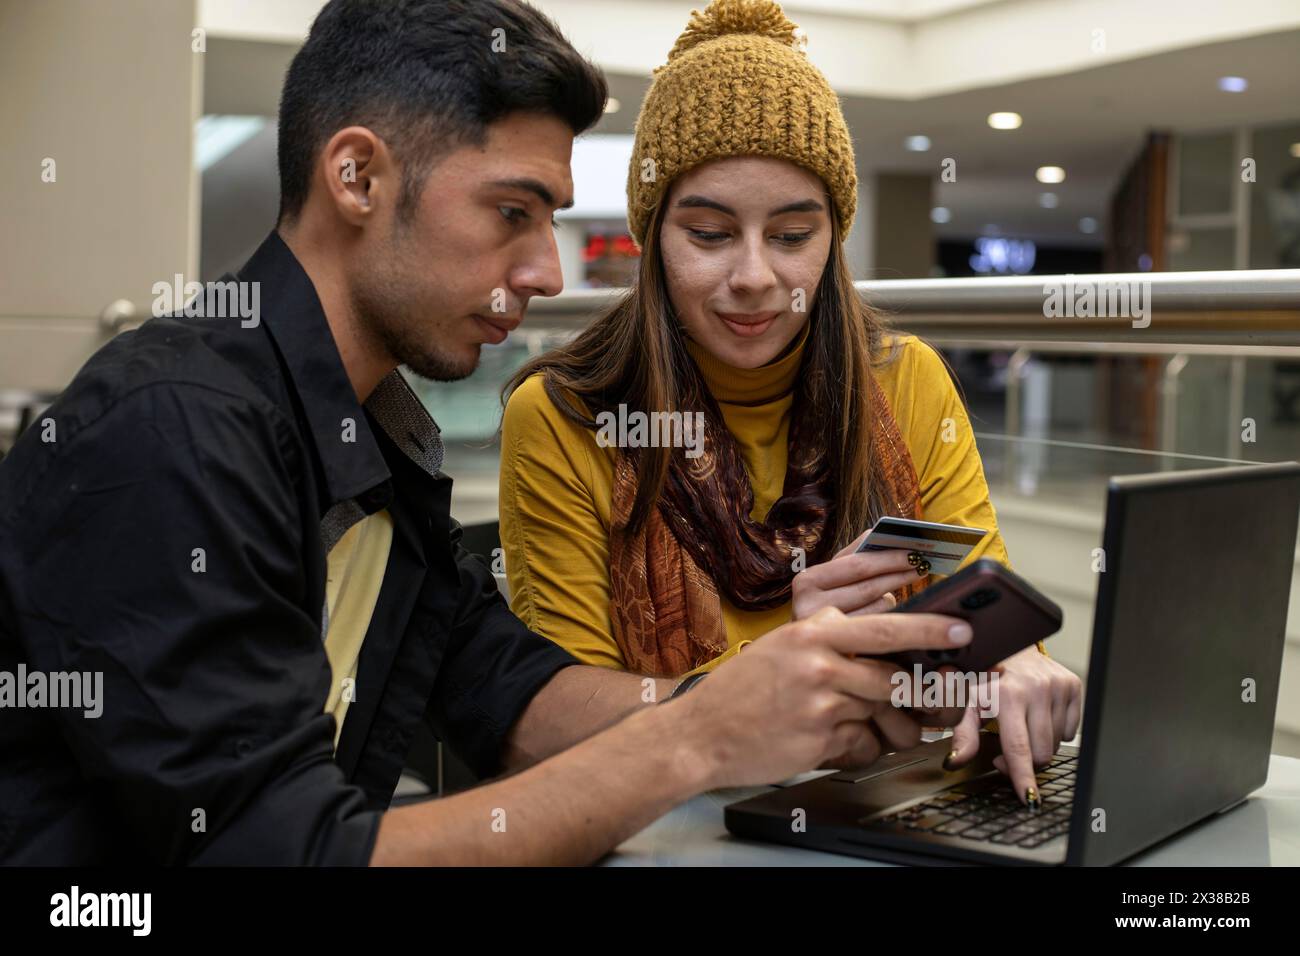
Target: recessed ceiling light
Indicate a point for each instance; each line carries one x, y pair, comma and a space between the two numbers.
1004, 120
1049, 174
1048, 200
1088, 224
612, 105
916, 144
1232, 84
940, 214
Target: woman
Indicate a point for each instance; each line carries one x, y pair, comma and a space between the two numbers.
814, 421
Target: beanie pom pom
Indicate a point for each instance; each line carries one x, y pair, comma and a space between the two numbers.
723, 17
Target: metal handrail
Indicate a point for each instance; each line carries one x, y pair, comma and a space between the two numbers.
1251, 301
1189, 291
1248, 290
1248, 309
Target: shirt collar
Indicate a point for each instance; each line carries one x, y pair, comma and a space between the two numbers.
349, 455
751, 386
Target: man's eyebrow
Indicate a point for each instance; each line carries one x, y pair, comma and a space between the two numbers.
533, 186
703, 202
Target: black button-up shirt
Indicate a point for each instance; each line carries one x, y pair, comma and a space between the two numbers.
166, 524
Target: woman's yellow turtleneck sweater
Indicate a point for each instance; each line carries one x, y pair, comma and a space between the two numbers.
557, 487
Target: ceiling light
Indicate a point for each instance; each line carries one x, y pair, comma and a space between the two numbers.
1004, 120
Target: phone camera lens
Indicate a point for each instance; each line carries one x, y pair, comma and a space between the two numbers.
978, 599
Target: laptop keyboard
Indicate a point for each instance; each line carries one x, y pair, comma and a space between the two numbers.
987, 810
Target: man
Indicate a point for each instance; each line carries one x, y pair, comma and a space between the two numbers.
243, 528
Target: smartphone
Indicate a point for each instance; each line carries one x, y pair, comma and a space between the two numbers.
932, 547
1004, 610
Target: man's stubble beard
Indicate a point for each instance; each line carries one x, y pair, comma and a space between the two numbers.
385, 315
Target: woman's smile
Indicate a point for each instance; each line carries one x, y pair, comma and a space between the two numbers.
748, 324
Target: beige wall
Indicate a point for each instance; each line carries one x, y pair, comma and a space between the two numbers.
110, 92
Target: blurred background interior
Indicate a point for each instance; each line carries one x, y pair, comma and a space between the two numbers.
1159, 138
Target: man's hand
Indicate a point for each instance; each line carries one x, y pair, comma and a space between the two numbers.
798, 698
852, 583
793, 700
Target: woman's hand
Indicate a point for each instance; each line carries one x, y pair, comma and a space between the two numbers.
1039, 703
852, 583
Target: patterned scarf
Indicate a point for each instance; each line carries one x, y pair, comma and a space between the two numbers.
700, 540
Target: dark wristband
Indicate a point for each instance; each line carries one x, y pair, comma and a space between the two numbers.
686, 683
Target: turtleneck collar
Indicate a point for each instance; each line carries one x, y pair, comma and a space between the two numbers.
750, 386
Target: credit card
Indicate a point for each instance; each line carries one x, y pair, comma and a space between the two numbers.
939, 548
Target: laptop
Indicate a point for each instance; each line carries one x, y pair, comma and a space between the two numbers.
1181, 696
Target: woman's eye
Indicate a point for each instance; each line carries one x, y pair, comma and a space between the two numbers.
705, 236
794, 238
512, 214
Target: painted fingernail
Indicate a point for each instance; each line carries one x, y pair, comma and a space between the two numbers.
1031, 798
947, 761
959, 633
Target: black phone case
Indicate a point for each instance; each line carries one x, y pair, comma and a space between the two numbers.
1004, 610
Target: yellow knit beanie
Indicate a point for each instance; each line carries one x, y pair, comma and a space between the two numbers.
737, 84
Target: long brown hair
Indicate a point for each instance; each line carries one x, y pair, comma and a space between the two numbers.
635, 354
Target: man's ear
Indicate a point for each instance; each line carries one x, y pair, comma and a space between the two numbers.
358, 174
